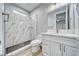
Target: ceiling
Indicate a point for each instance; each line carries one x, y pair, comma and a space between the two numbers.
28, 6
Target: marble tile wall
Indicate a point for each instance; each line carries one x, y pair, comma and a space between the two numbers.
16, 29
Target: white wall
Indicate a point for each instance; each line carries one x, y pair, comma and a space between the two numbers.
39, 18
16, 29
2, 49
52, 20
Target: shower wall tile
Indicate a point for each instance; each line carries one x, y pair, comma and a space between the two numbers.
17, 28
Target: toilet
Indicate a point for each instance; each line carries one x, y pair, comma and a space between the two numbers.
36, 45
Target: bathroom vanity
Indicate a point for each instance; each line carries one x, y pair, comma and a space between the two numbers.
64, 41
60, 44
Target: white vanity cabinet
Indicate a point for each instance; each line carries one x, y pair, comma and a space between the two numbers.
59, 46
51, 48
70, 51
56, 49
45, 47
78, 44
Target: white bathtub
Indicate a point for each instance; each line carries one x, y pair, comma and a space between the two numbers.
18, 51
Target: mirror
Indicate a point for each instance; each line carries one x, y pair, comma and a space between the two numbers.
61, 20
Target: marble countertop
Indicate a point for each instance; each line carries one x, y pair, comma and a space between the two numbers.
61, 34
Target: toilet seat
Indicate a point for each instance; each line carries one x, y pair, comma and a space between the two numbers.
36, 42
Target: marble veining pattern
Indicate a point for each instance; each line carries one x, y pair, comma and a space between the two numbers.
16, 29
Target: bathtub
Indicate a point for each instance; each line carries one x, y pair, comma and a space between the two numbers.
18, 51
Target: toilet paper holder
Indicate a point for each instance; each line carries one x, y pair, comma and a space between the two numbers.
6, 17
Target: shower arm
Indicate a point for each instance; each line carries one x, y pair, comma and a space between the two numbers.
6, 14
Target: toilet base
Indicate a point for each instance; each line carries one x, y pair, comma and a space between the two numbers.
35, 49
37, 52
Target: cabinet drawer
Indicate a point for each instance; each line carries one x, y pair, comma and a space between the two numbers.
69, 41
63, 40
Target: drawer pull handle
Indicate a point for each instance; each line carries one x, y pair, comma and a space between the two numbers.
60, 47
64, 48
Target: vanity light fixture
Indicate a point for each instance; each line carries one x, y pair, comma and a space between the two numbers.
6, 15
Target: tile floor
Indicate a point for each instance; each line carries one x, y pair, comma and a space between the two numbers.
28, 52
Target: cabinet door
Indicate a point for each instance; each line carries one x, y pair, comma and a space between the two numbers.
45, 47
56, 49
51, 48
70, 51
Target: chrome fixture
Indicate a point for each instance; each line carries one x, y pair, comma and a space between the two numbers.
7, 17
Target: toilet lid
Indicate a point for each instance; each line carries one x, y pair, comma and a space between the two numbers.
36, 41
